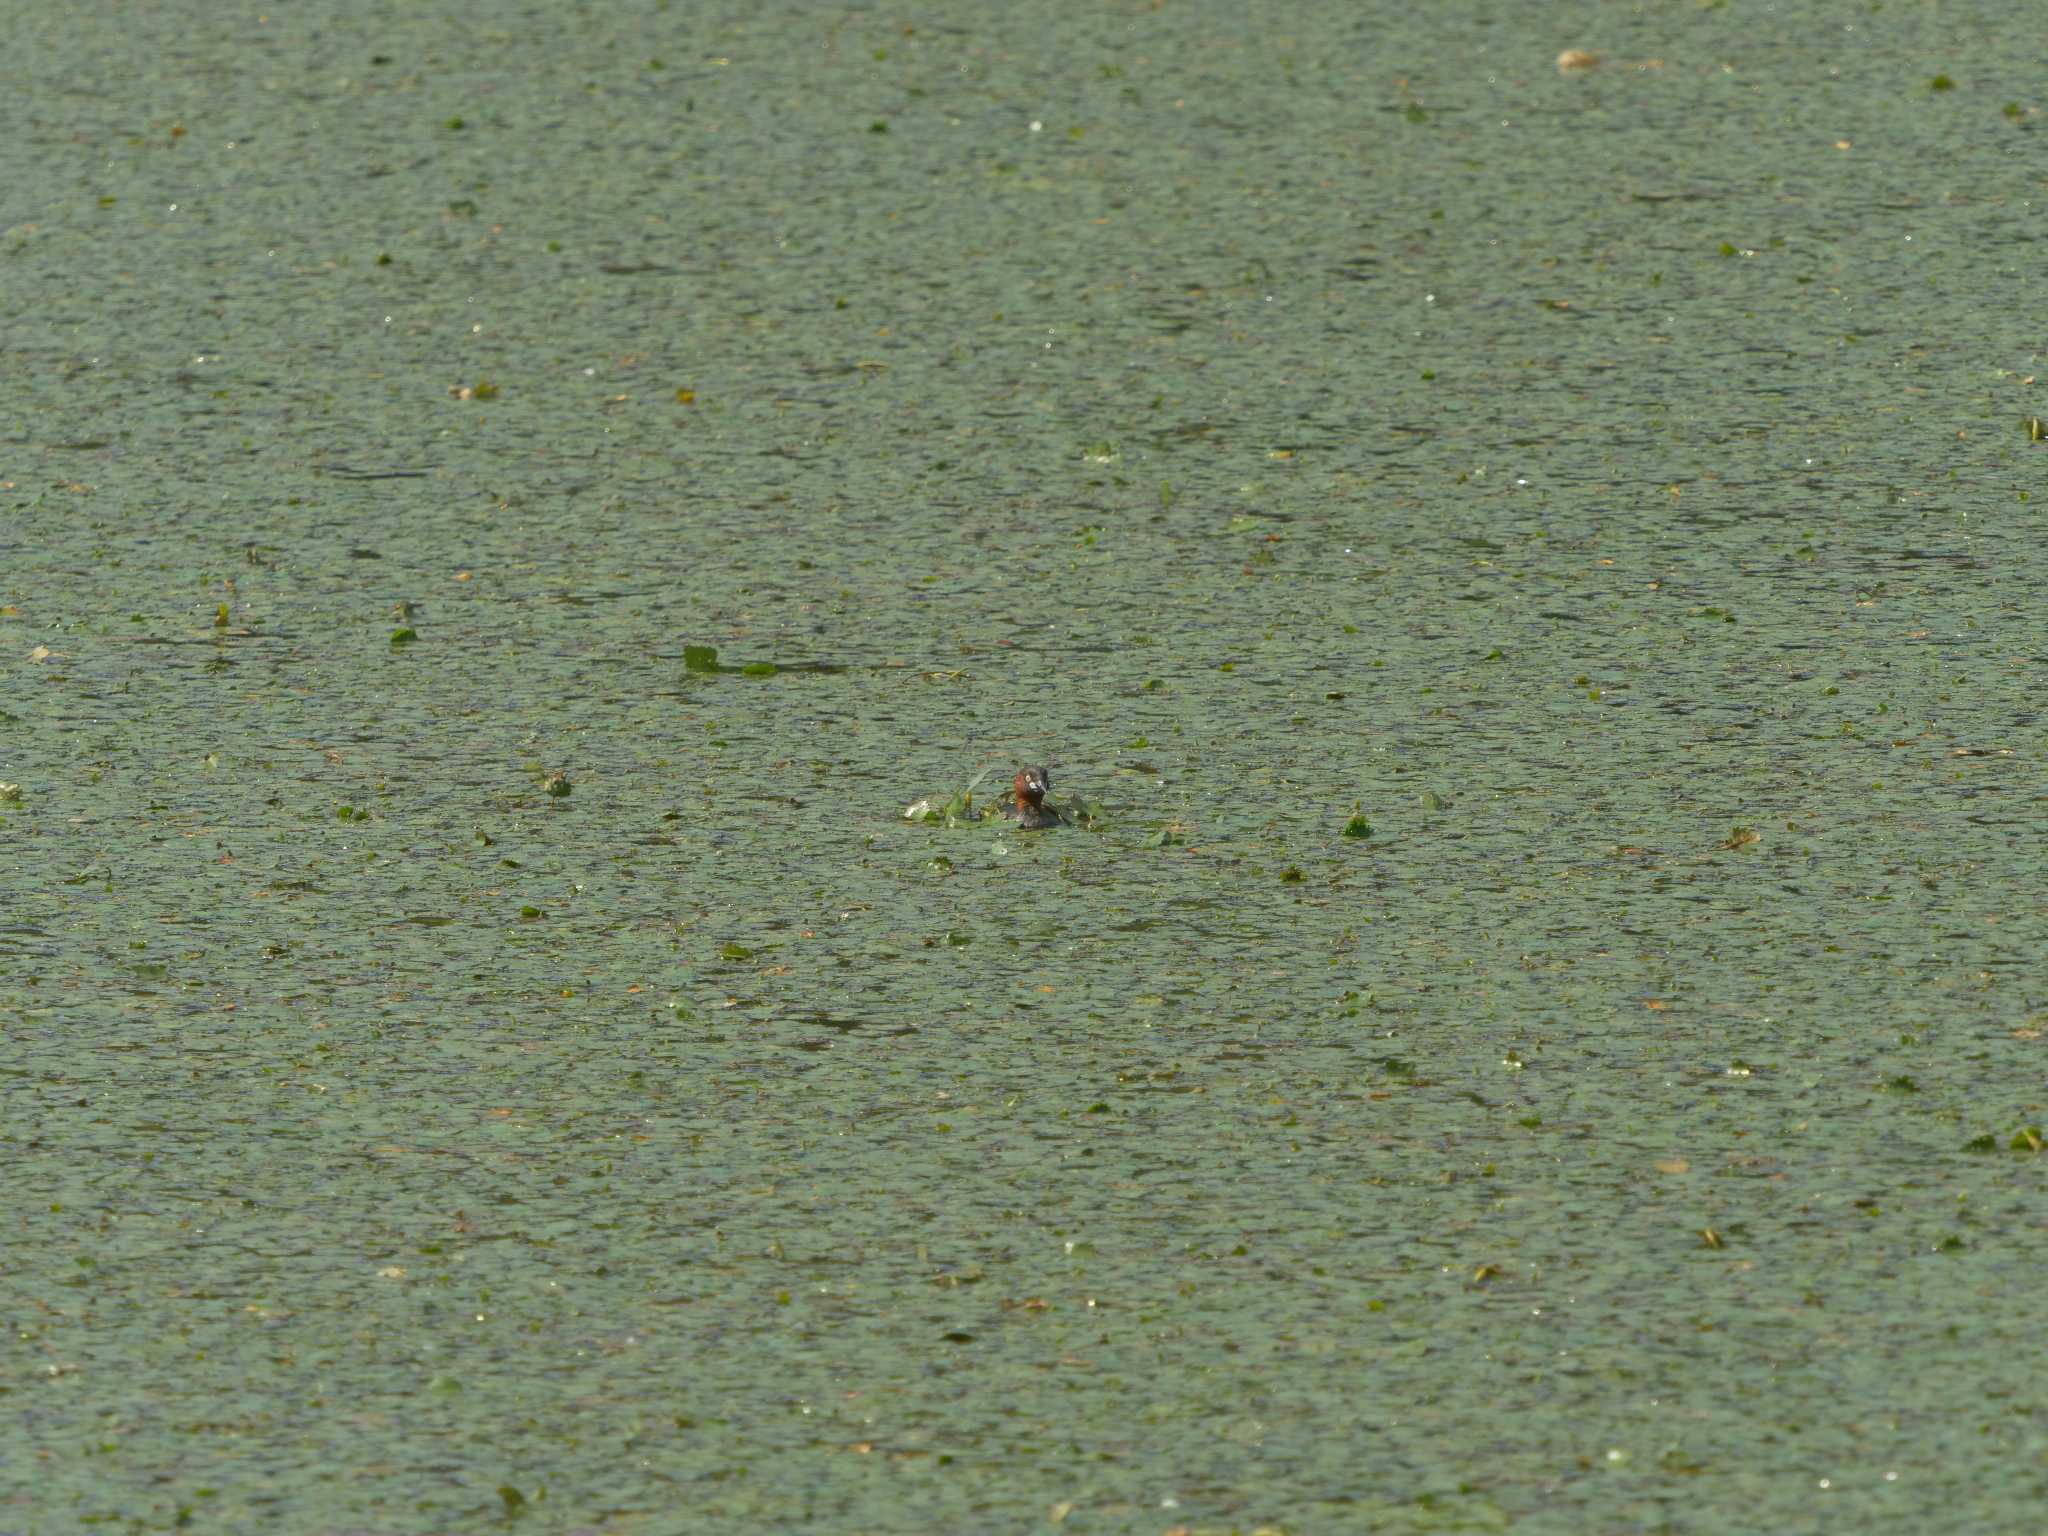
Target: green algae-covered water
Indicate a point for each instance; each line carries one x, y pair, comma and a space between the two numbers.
502, 509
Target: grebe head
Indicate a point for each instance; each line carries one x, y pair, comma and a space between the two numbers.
1032, 783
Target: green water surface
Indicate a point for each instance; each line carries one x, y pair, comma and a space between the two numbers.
1612, 488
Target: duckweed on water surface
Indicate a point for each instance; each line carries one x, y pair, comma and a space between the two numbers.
1638, 1129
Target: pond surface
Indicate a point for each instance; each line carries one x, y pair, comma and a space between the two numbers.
1610, 489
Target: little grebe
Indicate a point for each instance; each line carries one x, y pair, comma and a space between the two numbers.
1027, 805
